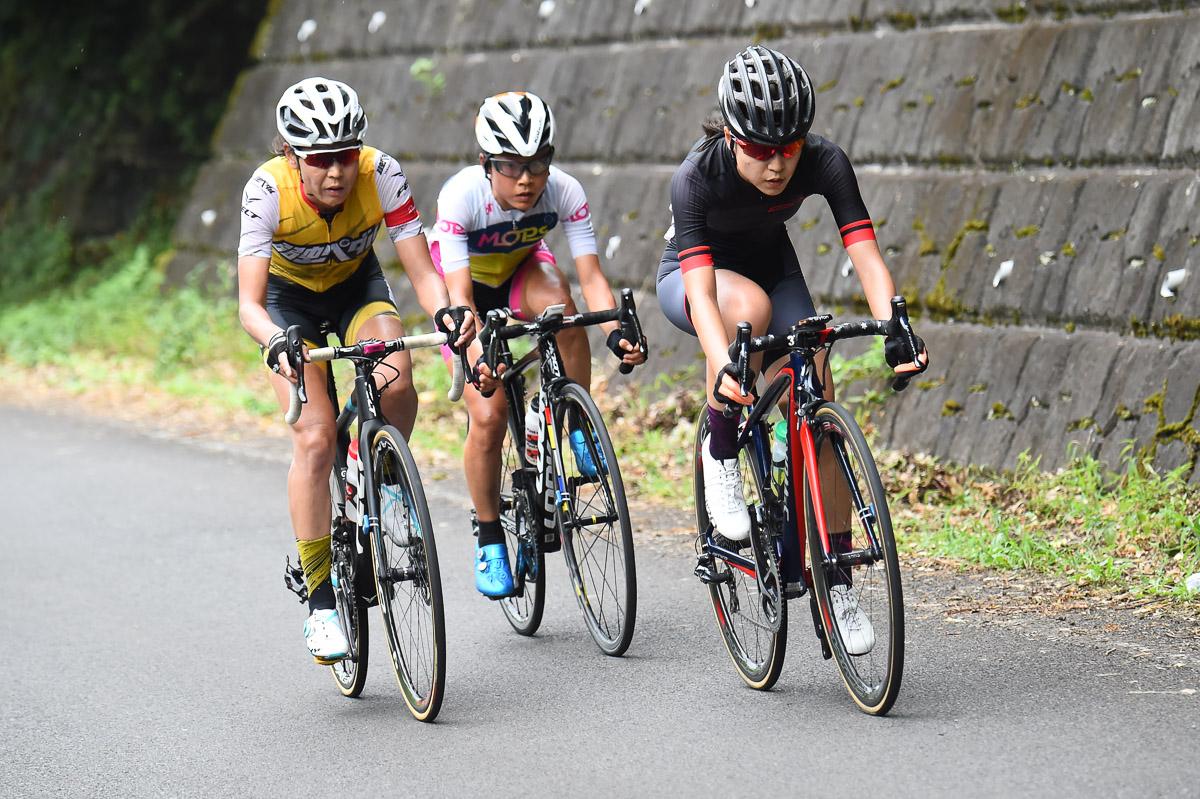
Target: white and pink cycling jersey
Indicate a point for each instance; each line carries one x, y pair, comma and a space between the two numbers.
473, 231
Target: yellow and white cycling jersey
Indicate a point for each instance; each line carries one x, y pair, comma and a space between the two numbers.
315, 251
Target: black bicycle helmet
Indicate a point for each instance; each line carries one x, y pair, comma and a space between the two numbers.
766, 97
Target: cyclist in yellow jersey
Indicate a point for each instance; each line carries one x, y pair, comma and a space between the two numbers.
309, 220
487, 242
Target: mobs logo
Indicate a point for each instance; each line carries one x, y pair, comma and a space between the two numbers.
505, 238
342, 250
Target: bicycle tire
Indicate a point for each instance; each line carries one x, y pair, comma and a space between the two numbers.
597, 539
407, 577
350, 673
757, 652
519, 520
872, 678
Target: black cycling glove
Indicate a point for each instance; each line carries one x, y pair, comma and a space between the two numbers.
614, 344
895, 350
275, 347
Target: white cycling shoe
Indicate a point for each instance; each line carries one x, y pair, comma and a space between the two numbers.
723, 498
323, 634
853, 625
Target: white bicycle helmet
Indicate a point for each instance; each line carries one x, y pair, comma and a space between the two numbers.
320, 115
514, 123
766, 97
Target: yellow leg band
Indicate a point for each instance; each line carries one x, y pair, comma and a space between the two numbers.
368, 311
315, 559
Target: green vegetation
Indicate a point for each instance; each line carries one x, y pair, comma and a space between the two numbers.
1131, 530
104, 116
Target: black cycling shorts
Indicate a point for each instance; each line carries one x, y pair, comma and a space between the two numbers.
789, 294
342, 309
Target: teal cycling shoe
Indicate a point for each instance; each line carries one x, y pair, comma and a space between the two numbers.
583, 455
492, 575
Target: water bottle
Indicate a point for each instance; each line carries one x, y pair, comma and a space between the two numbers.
353, 481
533, 432
779, 453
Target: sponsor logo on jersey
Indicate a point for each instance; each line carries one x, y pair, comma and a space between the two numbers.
785, 206
503, 237
266, 184
582, 213
344, 249
449, 226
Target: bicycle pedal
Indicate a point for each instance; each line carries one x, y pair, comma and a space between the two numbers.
709, 576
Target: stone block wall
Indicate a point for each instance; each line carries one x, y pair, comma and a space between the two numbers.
1031, 169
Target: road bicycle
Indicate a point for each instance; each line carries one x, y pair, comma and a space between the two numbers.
552, 501
826, 489
380, 525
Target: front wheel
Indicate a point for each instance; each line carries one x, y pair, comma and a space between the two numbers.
597, 538
520, 522
756, 642
407, 578
856, 579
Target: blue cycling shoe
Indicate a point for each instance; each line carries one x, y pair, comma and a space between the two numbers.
492, 575
583, 455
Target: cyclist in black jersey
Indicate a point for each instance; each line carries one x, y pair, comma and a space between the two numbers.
729, 258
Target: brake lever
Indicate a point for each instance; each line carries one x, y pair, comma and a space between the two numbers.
295, 351
490, 339
900, 325
740, 360
631, 326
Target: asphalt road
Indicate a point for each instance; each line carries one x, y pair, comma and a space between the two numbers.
150, 649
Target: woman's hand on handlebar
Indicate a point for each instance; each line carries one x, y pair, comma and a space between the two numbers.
466, 329
625, 350
728, 390
278, 359
486, 380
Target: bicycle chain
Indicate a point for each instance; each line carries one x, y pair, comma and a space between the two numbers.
762, 542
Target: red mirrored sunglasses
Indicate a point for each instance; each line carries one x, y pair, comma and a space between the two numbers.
325, 160
763, 152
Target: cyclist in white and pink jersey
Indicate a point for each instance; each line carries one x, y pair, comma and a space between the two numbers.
488, 244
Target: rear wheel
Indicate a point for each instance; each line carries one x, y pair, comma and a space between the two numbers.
406, 575
597, 538
519, 520
350, 673
756, 644
857, 583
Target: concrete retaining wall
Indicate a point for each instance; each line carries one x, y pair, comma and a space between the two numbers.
1061, 141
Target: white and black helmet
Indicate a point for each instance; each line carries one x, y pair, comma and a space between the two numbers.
320, 114
766, 97
514, 123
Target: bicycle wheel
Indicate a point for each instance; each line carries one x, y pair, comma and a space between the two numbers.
597, 539
406, 575
519, 521
866, 576
350, 673
757, 652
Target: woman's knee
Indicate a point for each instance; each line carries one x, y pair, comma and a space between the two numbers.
488, 426
312, 446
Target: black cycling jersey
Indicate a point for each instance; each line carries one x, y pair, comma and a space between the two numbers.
721, 220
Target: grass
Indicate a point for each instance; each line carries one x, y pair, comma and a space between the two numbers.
1131, 530
117, 333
